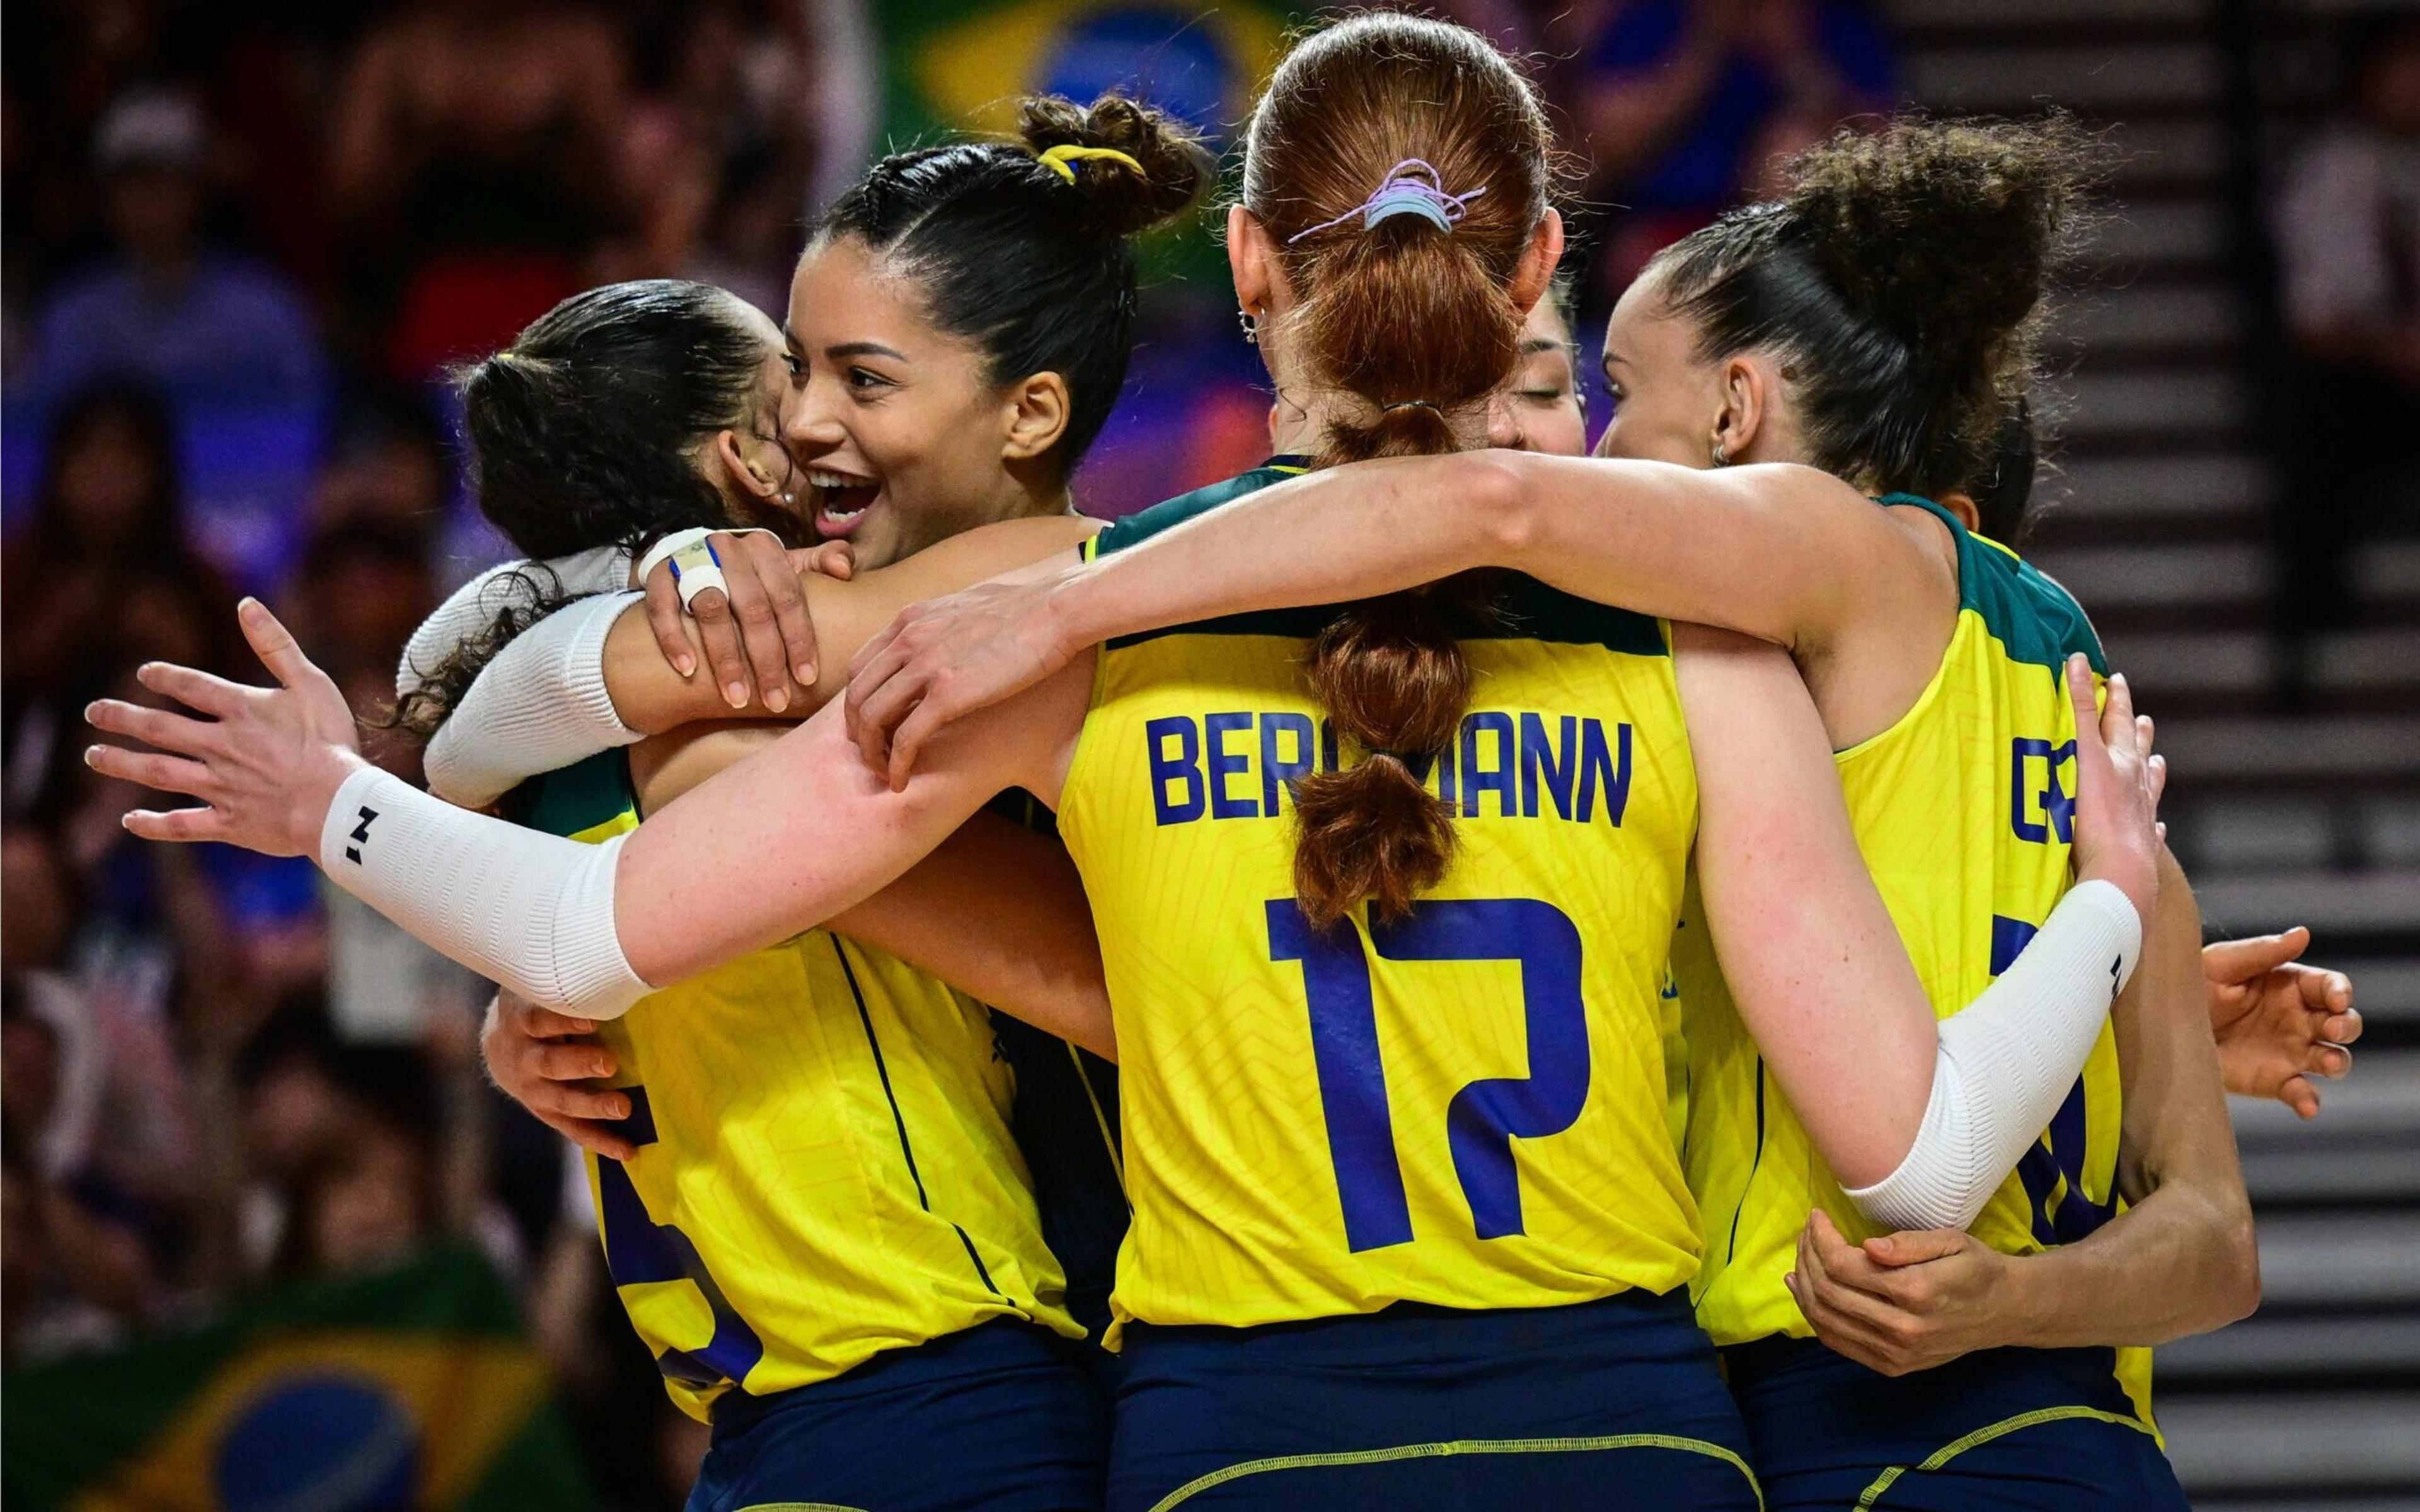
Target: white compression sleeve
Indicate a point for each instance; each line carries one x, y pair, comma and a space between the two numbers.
532, 913
540, 705
474, 606
2007, 1061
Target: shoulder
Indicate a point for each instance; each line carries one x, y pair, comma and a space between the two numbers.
2034, 618
1136, 528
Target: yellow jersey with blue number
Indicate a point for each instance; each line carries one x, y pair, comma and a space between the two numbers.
1965, 811
1467, 1106
824, 1168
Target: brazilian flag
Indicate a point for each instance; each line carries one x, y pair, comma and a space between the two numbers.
408, 1391
958, 66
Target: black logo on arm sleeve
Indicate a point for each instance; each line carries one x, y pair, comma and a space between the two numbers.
360, 835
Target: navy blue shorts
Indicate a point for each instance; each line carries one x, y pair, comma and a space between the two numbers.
1002, 1417
1999, 1430
1610, 1403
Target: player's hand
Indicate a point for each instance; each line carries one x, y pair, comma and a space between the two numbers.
1904, 1302
758, 634
946, 658
553, 1065
2118, 786
266, 760
2278, 1021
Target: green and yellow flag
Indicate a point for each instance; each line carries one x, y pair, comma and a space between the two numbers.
408, 1391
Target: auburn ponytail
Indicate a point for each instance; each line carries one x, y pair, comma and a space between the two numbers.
1411, 322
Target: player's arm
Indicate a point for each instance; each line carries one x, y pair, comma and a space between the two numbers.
591, 676
2181, 1259
997, 911
1920, 1119
783, 841
651, 695
1787, 554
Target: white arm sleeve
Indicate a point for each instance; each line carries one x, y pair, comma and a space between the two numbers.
2007, 1061
532, 913
539, 706
474, 606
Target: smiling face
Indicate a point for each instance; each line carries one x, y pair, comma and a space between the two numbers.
899, 432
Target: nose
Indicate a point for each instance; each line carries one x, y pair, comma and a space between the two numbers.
1504, 424
808, 422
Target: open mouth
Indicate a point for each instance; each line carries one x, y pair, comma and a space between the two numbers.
842, 501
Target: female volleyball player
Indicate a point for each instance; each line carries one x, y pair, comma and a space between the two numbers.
1875, 324
1530, 1225
820, 1148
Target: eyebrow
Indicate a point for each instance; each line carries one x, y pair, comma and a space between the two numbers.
864, 348
1533, 344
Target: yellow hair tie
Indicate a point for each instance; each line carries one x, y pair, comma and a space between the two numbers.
1061, 160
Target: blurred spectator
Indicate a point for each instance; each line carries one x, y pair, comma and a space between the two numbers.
207, 327
2347, 224
389, 465
1684, 104
472, 161
723, 150
102, 576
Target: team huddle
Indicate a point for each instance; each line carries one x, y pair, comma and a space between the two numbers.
1438, 972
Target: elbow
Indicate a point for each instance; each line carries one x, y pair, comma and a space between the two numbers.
2238, 1247
1497, 493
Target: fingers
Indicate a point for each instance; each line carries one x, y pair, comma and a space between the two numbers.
589, 1136
273, 645
161, 774
794, 629
923, 722
724, 659
2240, 961
214, 696
181, 826
2342, 1028
666, 619
2330, 1062
546, 1024
574, 1061
833, 559
2118, 729
751, 610
2299, 1094
163, 728
1914, 1246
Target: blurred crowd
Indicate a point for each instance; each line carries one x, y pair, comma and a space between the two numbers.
244, 241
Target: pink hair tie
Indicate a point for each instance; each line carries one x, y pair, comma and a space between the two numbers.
1412, 188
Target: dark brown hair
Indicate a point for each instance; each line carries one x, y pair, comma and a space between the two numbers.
1901, 282
1417, 326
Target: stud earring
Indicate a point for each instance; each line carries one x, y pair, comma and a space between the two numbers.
1251, 327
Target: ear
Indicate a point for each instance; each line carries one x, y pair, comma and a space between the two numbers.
1745, 409
1253, 259
1038, 416
742, 474
1963, 506
1535, 273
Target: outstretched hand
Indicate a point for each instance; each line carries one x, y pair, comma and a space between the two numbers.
2278, 1022
2118, 786
266, 762
944, 658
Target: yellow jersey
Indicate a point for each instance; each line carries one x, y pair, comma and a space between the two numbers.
825, 1168
1465, 1107
1964, 809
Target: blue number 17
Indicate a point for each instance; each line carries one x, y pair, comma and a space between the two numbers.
1485, 1116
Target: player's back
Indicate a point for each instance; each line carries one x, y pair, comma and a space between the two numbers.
1465, 1107
1964, 809
824, 1170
